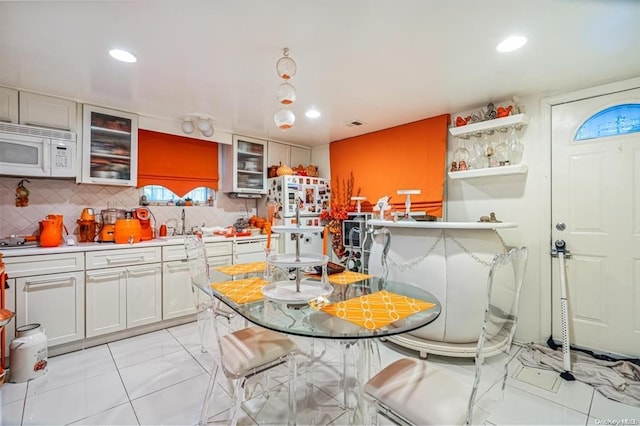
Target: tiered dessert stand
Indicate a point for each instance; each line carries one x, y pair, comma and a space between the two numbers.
301, 290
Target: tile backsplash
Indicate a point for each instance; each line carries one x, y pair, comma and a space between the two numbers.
65, 197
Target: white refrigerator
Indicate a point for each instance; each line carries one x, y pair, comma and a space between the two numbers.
314, 195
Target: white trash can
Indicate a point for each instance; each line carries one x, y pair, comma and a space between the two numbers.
28, 354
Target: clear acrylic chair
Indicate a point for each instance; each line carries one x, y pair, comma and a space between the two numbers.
414, 391
242, 353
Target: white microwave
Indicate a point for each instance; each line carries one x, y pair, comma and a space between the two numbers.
36, 152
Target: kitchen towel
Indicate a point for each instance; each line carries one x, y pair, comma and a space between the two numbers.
242, 291
378, 309
242, 268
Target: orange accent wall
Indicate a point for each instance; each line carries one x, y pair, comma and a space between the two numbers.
175, 162
410, 156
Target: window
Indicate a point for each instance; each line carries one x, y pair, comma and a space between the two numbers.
616, 120
159, 195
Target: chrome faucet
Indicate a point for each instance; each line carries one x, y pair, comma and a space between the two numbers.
183, 225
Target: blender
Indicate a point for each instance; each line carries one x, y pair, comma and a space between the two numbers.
107, 228
87, 226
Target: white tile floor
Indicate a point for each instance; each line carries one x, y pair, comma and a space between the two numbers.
160, 377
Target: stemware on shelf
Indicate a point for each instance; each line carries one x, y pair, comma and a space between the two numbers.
501, 150
461, 155
515, 147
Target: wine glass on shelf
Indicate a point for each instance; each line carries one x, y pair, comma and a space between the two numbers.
501, 150
515, 147
461, 156
480, 148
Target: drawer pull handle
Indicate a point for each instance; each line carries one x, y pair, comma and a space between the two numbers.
180, 267
125, 259
104, 274
50, 280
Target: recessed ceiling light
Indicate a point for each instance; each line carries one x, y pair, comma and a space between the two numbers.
123, 55
511, 43
312, 113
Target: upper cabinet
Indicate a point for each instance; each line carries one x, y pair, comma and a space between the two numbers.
300, 155
47, 111
8, 105
37, 110
244, 167
110, 147
278, 153
291, 155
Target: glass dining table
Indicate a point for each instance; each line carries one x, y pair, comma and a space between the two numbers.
301, 319
355, 314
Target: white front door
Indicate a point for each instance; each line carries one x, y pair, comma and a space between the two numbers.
596, 195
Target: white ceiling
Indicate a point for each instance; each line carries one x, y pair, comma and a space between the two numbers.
384, 62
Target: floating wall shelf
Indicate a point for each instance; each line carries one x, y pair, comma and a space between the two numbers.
517, 169
517, 120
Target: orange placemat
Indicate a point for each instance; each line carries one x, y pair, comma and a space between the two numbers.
377, 309
345, 277
242, 268
242, 291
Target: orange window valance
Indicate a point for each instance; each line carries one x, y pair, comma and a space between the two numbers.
175, 162
410, 156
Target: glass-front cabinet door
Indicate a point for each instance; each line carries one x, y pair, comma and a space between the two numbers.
245, 166
110, 147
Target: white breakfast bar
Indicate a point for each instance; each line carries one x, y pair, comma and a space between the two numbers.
451, 260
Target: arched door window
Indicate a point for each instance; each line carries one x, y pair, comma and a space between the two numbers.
612, 121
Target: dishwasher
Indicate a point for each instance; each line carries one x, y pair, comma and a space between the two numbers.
249, 251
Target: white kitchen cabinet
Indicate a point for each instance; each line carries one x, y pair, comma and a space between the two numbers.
48, 111
124, 289
250, 251
106, 301
110, 147
244, 167
178, 295
291, 155
49, 290
9, 109
144, 294
278, 153
56, 302
300, 155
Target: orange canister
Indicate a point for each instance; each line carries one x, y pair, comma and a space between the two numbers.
127, 231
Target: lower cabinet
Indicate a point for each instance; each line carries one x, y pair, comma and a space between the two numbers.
124, 289
123, 297
47, 289
55, 301
178, 295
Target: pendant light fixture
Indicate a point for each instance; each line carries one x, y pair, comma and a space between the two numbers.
200, 122
286, 94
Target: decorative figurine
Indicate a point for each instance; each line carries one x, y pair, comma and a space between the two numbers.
504, 112
460, 121
462, 166
454, 167
22, 194
491, 112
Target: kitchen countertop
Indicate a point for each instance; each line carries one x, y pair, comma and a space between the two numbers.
441, 225
82, 247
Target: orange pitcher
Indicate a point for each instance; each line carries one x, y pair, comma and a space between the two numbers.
50, 233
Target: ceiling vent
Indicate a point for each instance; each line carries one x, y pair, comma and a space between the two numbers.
354, 123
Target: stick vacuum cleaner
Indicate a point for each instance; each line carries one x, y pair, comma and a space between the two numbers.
561, 252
